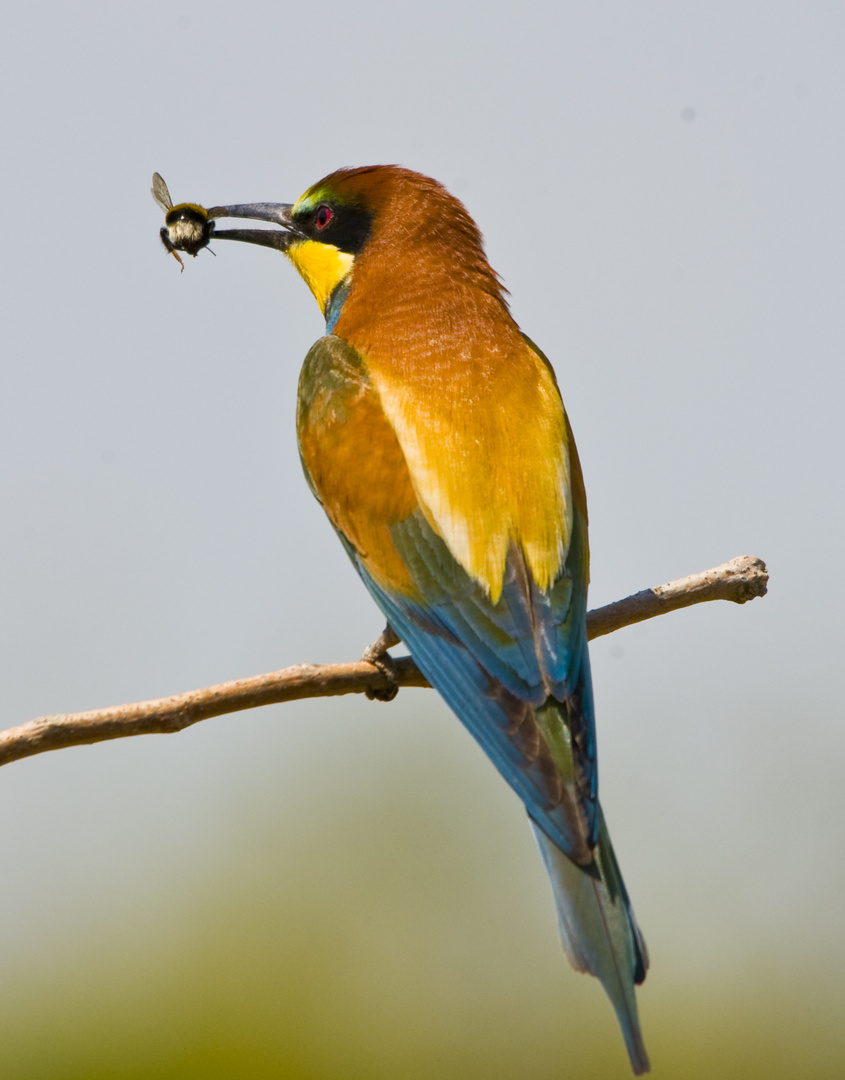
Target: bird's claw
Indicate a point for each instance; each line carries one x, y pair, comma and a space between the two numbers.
377, 655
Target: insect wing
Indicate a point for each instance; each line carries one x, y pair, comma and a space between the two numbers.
160, 193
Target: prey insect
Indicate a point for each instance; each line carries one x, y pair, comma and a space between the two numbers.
186, 226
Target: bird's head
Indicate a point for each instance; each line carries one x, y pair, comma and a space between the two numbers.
389, 226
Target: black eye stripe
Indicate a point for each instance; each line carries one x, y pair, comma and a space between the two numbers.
344, 225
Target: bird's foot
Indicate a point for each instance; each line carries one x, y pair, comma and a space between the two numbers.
377, 655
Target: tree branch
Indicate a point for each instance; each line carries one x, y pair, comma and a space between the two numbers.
739, 580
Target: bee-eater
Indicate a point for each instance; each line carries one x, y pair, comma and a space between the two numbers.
432, 432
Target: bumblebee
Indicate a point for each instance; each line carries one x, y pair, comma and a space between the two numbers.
187, 227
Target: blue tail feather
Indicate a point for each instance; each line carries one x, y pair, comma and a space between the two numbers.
599, 932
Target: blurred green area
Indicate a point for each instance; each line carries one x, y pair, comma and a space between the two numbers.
367, 931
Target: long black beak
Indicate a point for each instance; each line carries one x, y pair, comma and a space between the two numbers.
276, 213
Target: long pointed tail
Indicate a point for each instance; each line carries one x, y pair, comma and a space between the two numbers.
599, 932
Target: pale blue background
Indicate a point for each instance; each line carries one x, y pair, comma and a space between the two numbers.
661, 187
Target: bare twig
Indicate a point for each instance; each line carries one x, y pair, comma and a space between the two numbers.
739, 580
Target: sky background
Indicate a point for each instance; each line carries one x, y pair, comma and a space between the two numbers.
344, 888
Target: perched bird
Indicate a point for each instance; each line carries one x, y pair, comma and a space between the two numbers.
433, 433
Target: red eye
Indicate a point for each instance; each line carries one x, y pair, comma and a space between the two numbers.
323, 216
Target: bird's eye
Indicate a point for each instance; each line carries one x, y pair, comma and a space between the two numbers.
323, 216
